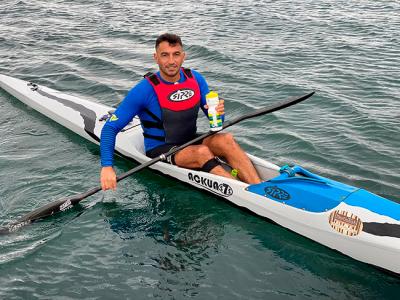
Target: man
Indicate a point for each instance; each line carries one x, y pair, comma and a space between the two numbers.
168, 121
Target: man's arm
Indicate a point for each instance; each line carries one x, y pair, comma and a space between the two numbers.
127, 109
204, 90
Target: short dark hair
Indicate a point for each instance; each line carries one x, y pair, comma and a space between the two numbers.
171, 38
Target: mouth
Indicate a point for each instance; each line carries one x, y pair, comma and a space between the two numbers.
171, 68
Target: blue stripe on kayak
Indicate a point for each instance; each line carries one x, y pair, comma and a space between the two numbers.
315, 193
304, 193
374, 203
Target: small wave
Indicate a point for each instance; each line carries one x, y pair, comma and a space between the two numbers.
22, 245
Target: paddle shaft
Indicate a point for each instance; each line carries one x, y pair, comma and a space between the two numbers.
66, 203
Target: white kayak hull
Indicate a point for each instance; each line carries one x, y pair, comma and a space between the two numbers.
339, 227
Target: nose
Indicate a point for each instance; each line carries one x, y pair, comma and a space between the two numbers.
171, 59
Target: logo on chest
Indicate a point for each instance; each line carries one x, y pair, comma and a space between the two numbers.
181, 95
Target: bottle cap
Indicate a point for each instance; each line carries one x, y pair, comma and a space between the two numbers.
212, 94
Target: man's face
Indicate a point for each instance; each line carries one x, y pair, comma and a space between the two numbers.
169, 59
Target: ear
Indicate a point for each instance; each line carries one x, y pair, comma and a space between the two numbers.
155, 56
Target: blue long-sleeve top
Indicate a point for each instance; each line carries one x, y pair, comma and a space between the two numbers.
139, 98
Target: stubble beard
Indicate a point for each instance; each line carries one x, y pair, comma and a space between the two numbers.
168, 74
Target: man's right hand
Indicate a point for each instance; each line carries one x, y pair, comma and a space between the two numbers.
108, 178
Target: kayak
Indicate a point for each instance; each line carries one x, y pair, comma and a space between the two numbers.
351, 220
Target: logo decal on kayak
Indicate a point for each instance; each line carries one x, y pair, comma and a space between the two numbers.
113, 118
181, 95
221, 189
277, 193
345, 222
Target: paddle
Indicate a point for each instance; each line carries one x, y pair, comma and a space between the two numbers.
66, 203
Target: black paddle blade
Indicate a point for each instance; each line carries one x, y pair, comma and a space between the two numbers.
12, 227
42, 212
47, 211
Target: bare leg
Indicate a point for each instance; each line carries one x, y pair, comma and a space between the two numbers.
195, 156
224, 145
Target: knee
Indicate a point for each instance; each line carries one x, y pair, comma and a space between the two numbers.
229, 137
227, 140
203, 153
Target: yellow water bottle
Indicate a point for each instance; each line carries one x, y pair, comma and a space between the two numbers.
214, 117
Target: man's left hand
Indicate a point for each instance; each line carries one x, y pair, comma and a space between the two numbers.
220, 107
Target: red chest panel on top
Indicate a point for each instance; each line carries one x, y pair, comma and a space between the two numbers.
177, 97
